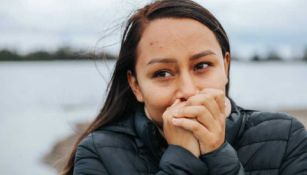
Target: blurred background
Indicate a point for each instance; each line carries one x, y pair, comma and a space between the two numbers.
56, 58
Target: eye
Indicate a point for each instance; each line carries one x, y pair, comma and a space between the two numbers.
201, 66
162, 74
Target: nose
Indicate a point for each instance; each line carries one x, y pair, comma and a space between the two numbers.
186, 87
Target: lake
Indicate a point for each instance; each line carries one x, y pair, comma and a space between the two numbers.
41, 101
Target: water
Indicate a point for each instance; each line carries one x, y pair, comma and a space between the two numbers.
41, 101
270, 86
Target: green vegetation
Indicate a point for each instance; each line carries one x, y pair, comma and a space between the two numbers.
64, 53
305, 55
274, 56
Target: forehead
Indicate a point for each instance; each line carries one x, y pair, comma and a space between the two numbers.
166, 36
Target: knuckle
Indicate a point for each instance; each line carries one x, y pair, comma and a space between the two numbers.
200, 109
192, 100
221, 94
211, 97
195, 128
215, 144
203, 112
166, 116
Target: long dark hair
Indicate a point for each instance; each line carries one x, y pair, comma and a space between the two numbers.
120, 100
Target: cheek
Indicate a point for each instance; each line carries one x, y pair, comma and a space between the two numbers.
157, 96
215, 79
156, 100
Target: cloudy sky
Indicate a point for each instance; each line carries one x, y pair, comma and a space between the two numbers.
254, 26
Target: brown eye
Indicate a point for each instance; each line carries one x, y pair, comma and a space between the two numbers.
200, 66
162, 74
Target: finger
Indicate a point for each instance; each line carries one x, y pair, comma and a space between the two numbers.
199, 131
171, 107
199, 113
177, 101
227, 104
172, 110
219, 97
207, 100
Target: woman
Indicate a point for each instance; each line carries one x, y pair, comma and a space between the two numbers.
168, 110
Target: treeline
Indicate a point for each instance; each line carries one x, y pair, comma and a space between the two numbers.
64, 53
273, 56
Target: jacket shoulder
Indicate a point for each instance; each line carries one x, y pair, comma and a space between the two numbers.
267, 126
268, 139
255, 117
107, 139
115, 151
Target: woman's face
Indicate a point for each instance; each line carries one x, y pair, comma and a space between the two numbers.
176, 58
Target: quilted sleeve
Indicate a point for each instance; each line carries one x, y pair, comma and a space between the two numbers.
295, 158
87, 160
223, 161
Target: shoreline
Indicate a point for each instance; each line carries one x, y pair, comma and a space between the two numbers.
300, 114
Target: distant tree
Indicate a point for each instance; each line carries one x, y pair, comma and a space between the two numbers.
256, 58
6, 55
64, 53
107, 56
304, 58
39, 55
273, 56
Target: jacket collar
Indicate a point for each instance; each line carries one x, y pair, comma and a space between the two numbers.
149, 134
234, 123
124, 126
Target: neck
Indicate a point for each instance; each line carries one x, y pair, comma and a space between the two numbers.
148, 116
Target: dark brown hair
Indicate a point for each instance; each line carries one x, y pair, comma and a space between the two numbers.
120, 100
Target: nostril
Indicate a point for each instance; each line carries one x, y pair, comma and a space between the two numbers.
183, 99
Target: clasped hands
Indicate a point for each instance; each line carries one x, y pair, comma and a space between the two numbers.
197, 124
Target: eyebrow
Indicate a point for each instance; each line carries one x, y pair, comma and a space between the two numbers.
172, 60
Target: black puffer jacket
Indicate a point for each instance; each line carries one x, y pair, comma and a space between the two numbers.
257, 143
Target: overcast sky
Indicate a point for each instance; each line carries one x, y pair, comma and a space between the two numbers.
254, 26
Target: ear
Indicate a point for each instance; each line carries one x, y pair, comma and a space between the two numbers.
133, 83
226, 63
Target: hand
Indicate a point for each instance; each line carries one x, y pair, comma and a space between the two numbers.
204, 116
177, 135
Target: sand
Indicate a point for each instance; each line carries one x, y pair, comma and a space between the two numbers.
300, 114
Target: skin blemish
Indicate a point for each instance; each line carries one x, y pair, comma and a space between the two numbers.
151, 43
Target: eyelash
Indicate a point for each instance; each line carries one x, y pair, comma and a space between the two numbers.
201, 63
159, 72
